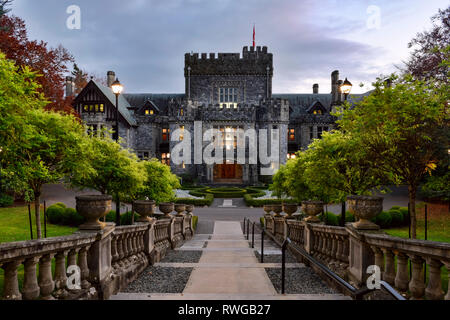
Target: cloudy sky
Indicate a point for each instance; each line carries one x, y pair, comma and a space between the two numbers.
144, 41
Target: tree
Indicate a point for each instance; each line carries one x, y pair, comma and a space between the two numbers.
54, 147
160, 183
426, 59
338, 165
117, 171
3, 5
18, 94
81, 79
399, 126
50, 63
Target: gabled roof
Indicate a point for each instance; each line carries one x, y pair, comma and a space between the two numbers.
123, 103
160, 100
314, 105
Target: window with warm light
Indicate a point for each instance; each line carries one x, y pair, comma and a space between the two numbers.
181, 133
317, 111
228, 98
291, 134
165, 134
181, 112
165, 158
94, 108
291, 156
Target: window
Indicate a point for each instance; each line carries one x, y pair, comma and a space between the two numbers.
165, 134
149, 112
317, 111
181, 112
182, 133
165, 158
291, 156
311, 133
319, 132
228, 98
291, 134
94, 108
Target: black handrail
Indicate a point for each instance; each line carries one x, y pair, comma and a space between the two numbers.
357, 294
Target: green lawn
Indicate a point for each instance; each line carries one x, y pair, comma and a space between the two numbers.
14, 225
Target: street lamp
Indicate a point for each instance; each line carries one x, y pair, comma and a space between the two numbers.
346, 88
117, 88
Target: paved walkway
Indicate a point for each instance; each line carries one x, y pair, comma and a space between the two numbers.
227, 270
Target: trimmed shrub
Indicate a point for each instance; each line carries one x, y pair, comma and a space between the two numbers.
125, 218
331, 219
55, 214
194, 222
60, 215
251, 202
384, 220
348, 217
405, 214
397, 218
60, 204
209, 198
6, 200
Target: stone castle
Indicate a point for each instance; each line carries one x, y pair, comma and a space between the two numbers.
226, 92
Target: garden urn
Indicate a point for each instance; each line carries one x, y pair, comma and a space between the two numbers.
144, 208
166, 208
365, 208
277, 209
180, 209
290, 209
189, 209
312, 209
92, 208
268, 209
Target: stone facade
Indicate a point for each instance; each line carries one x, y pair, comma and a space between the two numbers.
228, 91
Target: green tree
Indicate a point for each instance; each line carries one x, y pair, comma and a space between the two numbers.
116, 171
161, 182
53, 148
399, 125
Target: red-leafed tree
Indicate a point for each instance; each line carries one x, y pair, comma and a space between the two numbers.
50, 63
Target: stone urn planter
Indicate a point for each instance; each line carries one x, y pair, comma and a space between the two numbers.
268, 208
312, 209
290, 209
92, 208
166, 208
180, 209
144, 208
277, 209
189, 208
365, 208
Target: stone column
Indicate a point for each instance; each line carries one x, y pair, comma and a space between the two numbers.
309, 239
389, 272
60, 273
45, 277
434, 289
360, 256
402, 278
417, 285
99, 262
30, 289
11, 284
84, 269
149, 240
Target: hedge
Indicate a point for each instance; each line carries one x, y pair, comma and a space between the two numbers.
6, 200
251, 202
209, 198
60, 215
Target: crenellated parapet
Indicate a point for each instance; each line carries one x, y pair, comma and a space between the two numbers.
252, 62
274, 110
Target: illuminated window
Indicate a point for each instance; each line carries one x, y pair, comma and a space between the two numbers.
147, 112
182, 133
165, 158
102, 108
228, 98
181, 112
291, 134
291, 156
317, 111
165, 134
93, 108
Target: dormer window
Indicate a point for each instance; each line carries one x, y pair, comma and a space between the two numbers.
94, 108
317, 112
149, 112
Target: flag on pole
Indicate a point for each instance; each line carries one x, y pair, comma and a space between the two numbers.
254, 36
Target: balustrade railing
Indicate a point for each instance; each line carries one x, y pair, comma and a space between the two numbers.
394, 256
296, 231
330, 244
62, 251
128, 245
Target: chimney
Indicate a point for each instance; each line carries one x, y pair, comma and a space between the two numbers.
110, 78
70, 86
335, 86
316, 88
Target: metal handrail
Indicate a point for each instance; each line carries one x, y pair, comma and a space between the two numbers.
357, 294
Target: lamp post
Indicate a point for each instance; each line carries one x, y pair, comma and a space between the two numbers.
346, 88
117, 88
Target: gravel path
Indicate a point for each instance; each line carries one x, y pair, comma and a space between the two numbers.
181, 256
160, 280
299, 281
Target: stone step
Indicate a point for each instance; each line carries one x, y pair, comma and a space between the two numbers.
226, 296
226, 265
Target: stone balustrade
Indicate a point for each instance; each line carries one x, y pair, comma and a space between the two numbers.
107, 259
349, 252
63, 252
394, 255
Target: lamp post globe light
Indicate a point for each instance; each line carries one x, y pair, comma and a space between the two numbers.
346, 88
117, 89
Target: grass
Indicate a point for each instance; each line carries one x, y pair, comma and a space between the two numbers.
14, 226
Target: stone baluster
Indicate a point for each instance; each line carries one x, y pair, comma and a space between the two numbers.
72, 257
84, 269
416, 285
11, 284
346, 251
323, 250
389, 270
434, 288
120, 250
339, 248
30, 289
114, 253
46, 283
333, 253
60, 273
447, 265
125, 247
379, 258
402, 277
